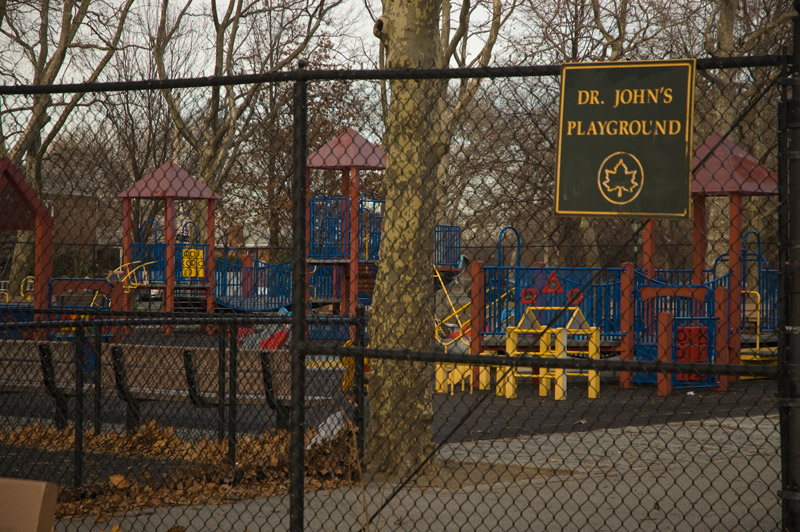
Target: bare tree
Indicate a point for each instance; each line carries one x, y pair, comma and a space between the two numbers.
735, 28
44, 43
247, 36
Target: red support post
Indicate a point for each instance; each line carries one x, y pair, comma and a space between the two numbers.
735, 265
127, 243
721, 339
699, 239
477, 318
626, 305
169, 257
248, 277
535, 370
352, 280
664, 380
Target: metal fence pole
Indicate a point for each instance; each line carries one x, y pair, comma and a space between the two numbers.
221, 330
233, 372
789, 382
98, 380
79, 381
359, 384
297, 452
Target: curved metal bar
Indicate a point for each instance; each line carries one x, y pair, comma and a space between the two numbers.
196, 232
500, 245
721, 258
155, 231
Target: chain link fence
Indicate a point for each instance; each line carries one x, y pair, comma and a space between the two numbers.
355, 309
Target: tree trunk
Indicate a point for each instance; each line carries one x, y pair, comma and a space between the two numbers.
725, 111
591, 255
399, 435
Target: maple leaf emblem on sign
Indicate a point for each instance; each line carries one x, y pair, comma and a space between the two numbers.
620, 179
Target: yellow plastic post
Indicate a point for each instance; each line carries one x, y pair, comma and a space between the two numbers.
594, 354
509, 383
545, 375
506, 379
441, 377
512, 341
484, 378
560, 374
500, 385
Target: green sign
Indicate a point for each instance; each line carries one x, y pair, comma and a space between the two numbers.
625, 139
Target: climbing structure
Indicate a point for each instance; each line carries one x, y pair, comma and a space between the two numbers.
176, 266
22, 210
333, 223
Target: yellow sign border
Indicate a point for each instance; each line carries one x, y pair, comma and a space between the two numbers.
691, 64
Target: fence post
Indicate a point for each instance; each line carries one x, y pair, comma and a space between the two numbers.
789, 372
77, 477
359, 384
298, 347
98, 380
233, 373
626, 311
664, 385
221, 330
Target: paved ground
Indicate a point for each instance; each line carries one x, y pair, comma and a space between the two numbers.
714, 474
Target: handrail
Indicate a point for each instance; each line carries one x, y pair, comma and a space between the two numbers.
455, 313
367, 231
127, 288
758, 316
26, 288
155, 231
196, 232
500, 246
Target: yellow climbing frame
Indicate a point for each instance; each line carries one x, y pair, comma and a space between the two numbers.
553, 343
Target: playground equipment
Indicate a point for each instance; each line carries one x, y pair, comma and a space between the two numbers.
709, 315
26, 288
343, 243
178, 267
23, 210
344, 232
622, 307
553, 342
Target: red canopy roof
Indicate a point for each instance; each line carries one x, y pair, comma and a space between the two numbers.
169, 181
348, 150
19, 203
730, 169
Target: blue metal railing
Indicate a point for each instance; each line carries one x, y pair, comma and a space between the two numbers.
259, 288
330, 226
596, 291
370, 220
157, 255
769, 289
447, 245
325, 282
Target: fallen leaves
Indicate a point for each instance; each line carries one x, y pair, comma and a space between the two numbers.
119, 481
185, 472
